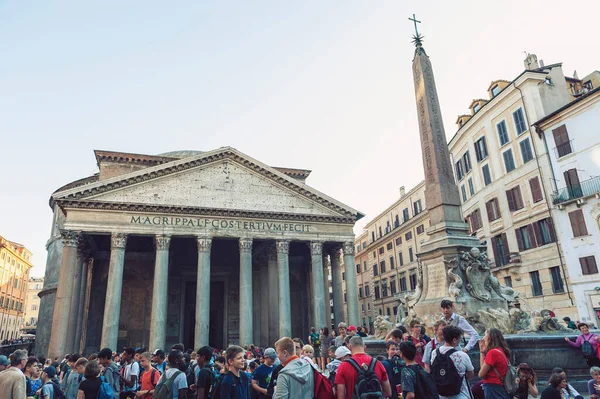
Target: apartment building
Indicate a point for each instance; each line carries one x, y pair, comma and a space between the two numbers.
386, 255
32, 303
501, 168
15, 264
571, 135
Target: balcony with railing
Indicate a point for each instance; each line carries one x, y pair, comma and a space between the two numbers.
586, 188
563, 149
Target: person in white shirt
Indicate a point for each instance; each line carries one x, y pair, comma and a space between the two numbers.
456, 320
462, 361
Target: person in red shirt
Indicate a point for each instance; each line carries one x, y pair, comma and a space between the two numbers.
346, 375
415, 337
149, 377
494, 355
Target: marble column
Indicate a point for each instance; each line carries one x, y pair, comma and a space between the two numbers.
82, 300
83, 303
158, 323
76, 298
114, 287
64, 293
273, 292
326, 295
246, 310
203, 293
283, 276
316, 252
351, 284
338, 293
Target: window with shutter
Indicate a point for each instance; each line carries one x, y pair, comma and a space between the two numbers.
487, 177
561, 139
588, 265
536, 284
520, 124
536, 189
557, 281
502, 133
578, 223
526, 151
518, 198
544, 231
573, 185
509, 161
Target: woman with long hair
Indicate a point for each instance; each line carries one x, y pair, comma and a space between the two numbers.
568, 392
527, 382
493, 359
325, 344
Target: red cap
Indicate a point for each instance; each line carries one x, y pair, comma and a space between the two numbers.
351, 328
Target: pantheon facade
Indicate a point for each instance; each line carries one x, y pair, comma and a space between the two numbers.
193, 247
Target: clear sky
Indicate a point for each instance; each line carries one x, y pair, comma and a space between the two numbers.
322, 85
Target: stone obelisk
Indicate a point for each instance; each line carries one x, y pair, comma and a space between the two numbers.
441, 273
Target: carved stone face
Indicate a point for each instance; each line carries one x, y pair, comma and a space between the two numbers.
475, 252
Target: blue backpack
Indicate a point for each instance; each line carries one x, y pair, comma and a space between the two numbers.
105, 391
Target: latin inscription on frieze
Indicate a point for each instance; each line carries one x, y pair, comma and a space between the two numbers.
436, 281
222, 224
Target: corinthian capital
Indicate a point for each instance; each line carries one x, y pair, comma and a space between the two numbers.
162, 242
118, 241
316, 248
283, 246
70, 238
204, 244
349, 248
246, 245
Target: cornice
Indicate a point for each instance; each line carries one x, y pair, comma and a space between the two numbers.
193, 162
400, 230
123, 157
199, 211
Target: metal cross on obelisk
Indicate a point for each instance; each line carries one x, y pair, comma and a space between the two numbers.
417, 38
414, 19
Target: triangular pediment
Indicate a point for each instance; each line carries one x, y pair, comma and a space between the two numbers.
224, 179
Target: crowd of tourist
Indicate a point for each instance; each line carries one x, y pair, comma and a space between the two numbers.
328, 366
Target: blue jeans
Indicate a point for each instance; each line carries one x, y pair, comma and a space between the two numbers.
495, 391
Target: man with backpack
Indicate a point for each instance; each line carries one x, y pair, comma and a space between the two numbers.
416, 382
262, 374
50, 389
361, 376
111, 370
235, 384
149, 377
451, 368
130, 374
205, 375
393, 366
296, 379
432, 345
172, 384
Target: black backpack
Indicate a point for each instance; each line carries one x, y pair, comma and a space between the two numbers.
367, 384
216, 394
587, 349
445, 375
58, 392
424, 385
190, 374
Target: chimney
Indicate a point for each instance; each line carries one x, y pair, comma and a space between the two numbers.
541, 63
531, 62
402, 191
575, 76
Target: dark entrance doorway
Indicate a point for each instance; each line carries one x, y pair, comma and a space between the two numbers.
217, 314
